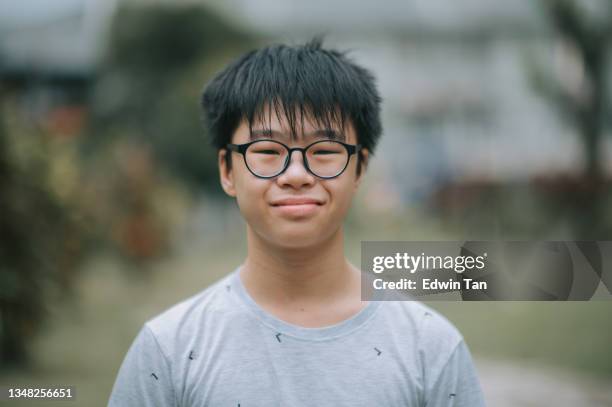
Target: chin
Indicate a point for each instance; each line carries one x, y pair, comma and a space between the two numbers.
298, 236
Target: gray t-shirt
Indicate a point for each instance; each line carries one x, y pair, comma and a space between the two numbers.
220, 348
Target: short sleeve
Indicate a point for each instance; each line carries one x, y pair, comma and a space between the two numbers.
144, 376
457, 384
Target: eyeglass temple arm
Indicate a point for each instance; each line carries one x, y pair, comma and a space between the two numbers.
235, 147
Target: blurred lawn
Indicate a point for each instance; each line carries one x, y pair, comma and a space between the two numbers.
576, 335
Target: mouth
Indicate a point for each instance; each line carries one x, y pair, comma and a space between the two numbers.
297, 202
297, 207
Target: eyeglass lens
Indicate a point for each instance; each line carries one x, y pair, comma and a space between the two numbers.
325, 158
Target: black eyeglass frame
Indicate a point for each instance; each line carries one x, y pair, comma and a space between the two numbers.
242, 149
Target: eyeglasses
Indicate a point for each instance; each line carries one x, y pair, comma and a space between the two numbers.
269, 158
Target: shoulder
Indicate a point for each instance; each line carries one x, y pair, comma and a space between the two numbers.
436, 338
429, 325
435, 330
188, 319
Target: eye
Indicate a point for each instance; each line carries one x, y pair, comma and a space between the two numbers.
325, 152
270, 152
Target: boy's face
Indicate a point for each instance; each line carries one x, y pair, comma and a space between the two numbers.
294, 209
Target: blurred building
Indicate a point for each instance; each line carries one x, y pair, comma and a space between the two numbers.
459, 106
49, 54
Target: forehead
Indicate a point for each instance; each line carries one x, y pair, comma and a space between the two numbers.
274, 123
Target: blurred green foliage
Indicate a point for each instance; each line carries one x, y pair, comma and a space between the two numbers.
583, 103
40, 238
149, 87
108, 168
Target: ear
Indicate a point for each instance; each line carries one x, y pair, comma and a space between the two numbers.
226, 175
363, 162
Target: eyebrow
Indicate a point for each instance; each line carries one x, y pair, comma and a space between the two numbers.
324, 133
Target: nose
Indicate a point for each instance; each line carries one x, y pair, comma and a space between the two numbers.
296, 175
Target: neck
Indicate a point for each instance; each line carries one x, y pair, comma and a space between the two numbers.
316, 274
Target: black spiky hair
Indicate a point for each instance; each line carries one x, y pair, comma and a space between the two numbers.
321, 84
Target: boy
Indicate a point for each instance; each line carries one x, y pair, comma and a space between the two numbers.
294, 128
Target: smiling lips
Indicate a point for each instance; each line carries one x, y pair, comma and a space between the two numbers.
296, 201
297, 207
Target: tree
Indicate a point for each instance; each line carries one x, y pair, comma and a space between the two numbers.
37, 234
148, 89
583, 103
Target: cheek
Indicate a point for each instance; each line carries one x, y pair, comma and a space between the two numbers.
341, 194
250, 195
253, 209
